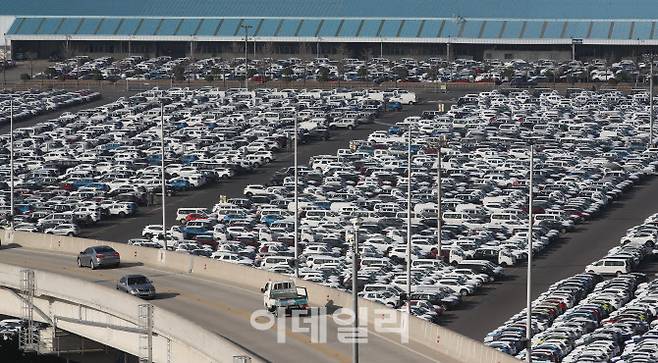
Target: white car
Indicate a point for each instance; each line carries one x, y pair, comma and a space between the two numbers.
152, 230
254, 189
343, 123
67, 229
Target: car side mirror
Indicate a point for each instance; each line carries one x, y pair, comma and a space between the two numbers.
82, 252
262, 289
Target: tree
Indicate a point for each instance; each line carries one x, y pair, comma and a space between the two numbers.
402, 73
179, 73
342, 52
550, 75
209, 77
97, 75
25, 77
507, 73
340, 68
51, 73
287, 72
323, 74
432, 73
363, 73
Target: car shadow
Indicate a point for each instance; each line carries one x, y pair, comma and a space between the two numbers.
130, 264
165, 295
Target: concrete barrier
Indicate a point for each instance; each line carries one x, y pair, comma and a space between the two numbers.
434, 338
176, 339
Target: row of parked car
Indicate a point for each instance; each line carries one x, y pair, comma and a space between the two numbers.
32, 103
104, 162
585, 318
590, 147
516, 71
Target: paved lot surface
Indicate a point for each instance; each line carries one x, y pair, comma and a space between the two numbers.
591, 241
225, 309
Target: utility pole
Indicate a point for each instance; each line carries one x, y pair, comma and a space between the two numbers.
4, 63
246, 61
651, 102
11, 162
438, 202
409, 221
296, 239
355, 297
381, 48
164, 184
317, 48
528, 330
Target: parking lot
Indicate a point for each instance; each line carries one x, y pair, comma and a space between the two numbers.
586, 318
593, 177
198, 223
260, 69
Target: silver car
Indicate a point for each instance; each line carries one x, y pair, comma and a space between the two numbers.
137, 285
99, 256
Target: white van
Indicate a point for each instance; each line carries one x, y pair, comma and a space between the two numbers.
609, 266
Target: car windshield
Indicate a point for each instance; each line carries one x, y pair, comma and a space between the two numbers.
137, 280
103, 250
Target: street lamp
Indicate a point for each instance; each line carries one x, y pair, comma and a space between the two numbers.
409, 221
11, 162
651, 101
438, 201
355, 296
4, 62
162, 165
246, 62
296, 197
528, 332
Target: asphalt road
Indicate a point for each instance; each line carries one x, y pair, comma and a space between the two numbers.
225, 309
568, 256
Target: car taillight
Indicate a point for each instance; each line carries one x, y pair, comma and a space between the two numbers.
116, 254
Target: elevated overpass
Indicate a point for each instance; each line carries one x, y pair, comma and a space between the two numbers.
219, 299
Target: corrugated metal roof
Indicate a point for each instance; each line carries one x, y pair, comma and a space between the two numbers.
352, 29
500, 9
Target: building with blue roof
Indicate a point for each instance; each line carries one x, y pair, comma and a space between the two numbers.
426, 26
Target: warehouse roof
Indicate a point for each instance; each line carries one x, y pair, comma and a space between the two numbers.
504, 9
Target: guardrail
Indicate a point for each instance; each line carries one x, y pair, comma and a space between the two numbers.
424, 335
89, 309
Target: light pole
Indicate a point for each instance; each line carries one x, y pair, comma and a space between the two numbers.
409, 221
651, 102
438, 202
528, 332
296, 197
11, 162
246, 61
317, 48
355, 297
4, 63
164, 186
381, 48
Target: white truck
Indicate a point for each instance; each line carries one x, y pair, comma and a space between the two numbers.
284, 296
